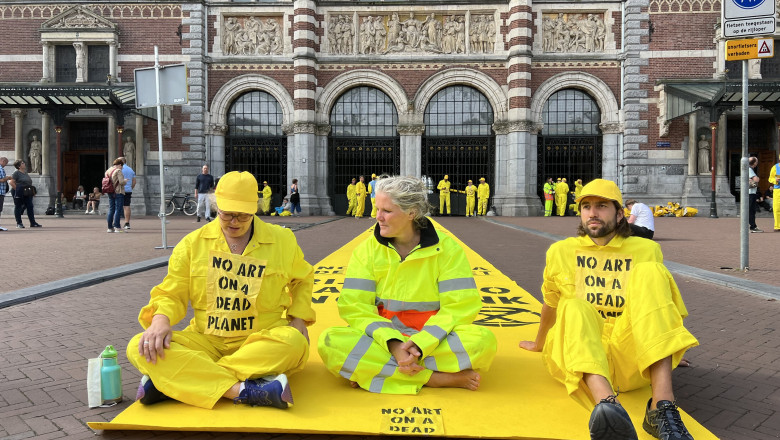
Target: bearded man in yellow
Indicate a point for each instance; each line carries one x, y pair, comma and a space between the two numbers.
612, 318
483, 193
266, 204
444, 194
351, 199
250, 290
561, 193
470, 191
360, 198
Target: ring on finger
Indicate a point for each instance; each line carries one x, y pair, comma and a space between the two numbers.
146, 342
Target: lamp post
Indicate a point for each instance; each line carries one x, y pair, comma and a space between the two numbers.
713, 203
119, 130
58, 202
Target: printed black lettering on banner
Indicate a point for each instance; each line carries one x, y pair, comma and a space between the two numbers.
600, 278
415, 420
480, 271
329, 270
501, 316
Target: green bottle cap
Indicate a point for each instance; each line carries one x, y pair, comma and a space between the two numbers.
109, 352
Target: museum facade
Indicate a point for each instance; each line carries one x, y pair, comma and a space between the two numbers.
325, 91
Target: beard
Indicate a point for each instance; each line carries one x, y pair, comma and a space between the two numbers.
604, 228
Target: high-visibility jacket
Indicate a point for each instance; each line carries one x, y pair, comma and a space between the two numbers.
483, 191
351, 191
549, 191
285, 292
372, 188
424, 296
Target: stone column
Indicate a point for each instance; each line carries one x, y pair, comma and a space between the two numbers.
610, 141
693, 142
46, 74
140, 155
720, 164
112, 61
217, 138
113, 152
514, 188
46, 144
18, 115
321, 169
411, 149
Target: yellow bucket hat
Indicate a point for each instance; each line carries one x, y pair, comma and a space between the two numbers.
237, 192
606, 189
446, 177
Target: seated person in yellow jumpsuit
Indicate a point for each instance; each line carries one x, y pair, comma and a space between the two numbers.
250, 290
360, 197
410, 318
612, 318
483, 193
444, 194
351, 199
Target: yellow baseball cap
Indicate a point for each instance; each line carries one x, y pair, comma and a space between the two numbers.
563, 180
470, 181
446, 177
481, 179
605, 189
237, 192
373, 175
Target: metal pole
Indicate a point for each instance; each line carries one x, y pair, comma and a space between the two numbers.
744, 197
161, 214
58, 202
713, 203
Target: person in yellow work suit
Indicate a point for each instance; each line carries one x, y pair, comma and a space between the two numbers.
360, 198
549, 194
561, 194
612, 318
250, 290
266, 203
774, 180
372, 194
351, 198
444, 194
400, 339
577, 192
483, 193
470, 192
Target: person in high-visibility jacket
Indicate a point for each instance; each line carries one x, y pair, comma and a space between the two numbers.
561, 193
372, 194
409, 299
266, 203
351, 198
612, 318
444, 194
244, 329
483, 193
774, 180
549, 194
471, 192
360, 198
577, 192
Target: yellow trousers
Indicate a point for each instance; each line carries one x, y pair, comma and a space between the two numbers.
548, 204
351, 206
361, 207
373, 208
266, 205
482, 208
444, 199
560, 204
776, 207
351, 354
198, 368
623, 348
469, 206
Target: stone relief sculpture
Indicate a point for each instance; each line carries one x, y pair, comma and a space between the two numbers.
482, 34
703, 148
341, 35
252, 37
573, 32
35, 155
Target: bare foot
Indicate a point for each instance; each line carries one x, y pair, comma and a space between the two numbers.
468, 379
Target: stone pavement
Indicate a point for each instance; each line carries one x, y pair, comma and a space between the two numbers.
733, 388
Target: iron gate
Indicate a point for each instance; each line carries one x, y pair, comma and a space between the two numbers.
462, 159
264, 157
572, 157
352, 157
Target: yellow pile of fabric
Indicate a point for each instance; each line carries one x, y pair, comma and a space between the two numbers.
673, 209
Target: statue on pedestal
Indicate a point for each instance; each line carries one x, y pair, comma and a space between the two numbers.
704, 155
35, 155
129, 152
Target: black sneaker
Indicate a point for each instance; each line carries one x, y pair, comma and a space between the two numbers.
664, 422
754, 230
267, 391
609, 421
147, 393
198, 220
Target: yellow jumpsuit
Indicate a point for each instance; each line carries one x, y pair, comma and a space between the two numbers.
430, 298
372, 193
774, 179
444, 195
561, 193
483, 193
351, 199
471, 190
618, 311
577, 192
360, 197
242, 305
266, 199
549, 194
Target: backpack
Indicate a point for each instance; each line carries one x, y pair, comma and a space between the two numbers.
106, 186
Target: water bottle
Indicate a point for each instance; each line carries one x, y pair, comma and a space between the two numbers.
110, 377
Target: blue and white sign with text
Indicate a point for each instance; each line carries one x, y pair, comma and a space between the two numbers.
744, 18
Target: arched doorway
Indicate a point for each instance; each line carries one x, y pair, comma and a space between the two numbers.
570, 144
255, 142
458, 142
363, 140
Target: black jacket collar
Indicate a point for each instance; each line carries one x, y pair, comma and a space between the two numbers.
428, 235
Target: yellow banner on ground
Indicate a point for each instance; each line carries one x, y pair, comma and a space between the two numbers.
517, 398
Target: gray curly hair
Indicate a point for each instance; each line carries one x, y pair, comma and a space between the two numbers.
409, 193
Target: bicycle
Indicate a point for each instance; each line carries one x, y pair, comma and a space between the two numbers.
184, 203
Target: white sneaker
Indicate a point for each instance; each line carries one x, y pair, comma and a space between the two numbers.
3, 229
110, 230
86, 212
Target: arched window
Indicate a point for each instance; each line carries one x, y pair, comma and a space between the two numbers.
363, 141
255, 141
570, 112
458, 142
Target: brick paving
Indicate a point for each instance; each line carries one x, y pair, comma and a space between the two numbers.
733, 388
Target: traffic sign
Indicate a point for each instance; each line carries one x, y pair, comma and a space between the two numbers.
750, 49
745, 18
173, 86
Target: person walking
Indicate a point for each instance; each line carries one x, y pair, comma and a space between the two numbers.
116, 198
549, 194
444, 194
351, 198
483, 193
3, 185
129, 176
266, 202
203, 184
360, 197
753, 194
23, 191
295, 198
774, 180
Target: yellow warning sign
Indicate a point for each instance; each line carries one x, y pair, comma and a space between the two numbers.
750, 49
